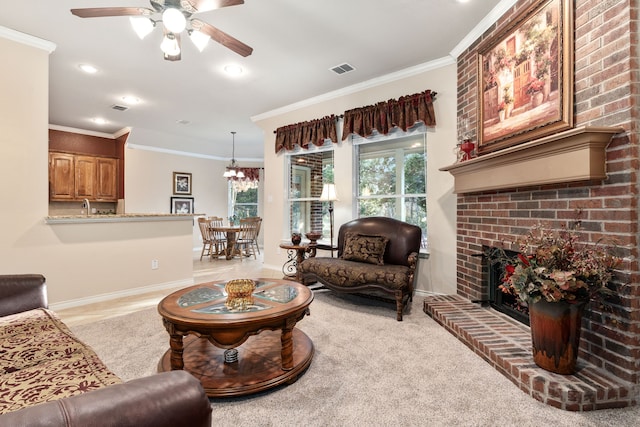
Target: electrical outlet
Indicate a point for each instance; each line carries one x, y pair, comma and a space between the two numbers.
154, 264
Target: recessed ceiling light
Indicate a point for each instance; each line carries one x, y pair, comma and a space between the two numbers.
131, 100
233, 69
99, 121
89, 69
183, 122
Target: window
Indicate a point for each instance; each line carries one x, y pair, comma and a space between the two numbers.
243, 200
307, 171
391, 177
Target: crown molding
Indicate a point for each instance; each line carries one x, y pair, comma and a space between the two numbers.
482, 26
27, 39
368, 84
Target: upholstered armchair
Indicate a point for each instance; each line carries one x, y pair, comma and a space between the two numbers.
377, 256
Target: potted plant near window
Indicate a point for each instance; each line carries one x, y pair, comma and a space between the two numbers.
556, 275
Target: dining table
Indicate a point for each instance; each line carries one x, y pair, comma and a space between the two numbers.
231, 231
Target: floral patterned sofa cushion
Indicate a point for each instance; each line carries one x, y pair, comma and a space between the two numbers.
364, 248
41, 361
345, 273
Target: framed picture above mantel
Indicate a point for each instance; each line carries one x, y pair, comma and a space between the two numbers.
525, 77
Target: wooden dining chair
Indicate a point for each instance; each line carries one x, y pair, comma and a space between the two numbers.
205, 232
218, 237
258, 224
246, 237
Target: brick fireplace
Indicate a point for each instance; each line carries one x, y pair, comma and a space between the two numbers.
606, 63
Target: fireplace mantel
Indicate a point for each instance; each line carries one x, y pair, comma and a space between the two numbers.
578, 154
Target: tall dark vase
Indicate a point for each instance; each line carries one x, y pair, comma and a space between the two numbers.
555, 334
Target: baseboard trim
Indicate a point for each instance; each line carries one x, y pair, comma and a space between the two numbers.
120, 294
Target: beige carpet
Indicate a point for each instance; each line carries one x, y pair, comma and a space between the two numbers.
368, 370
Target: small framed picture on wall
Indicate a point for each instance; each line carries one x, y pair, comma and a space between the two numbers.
182, 205
182, 183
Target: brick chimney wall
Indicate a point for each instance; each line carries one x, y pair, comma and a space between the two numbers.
605, 94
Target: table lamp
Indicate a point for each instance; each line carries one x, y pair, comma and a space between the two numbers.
329, 195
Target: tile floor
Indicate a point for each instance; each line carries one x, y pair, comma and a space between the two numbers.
203, 271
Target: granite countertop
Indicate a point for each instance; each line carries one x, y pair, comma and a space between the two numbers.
126, 217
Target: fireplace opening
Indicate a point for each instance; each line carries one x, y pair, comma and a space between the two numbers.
499, 300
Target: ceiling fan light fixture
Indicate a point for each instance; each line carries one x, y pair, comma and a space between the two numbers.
142, 26
199, 39
174, 20
170, 45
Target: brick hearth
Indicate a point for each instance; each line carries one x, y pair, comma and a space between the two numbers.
495, 208
506, 345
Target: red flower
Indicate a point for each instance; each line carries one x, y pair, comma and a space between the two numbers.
524, 260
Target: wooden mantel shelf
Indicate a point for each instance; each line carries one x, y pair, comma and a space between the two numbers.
575, 155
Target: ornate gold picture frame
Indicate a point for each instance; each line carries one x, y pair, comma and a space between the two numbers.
525, 77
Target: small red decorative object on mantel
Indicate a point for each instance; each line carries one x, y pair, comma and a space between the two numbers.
467, 148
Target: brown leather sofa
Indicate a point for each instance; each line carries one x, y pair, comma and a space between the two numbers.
376, 256
168, 399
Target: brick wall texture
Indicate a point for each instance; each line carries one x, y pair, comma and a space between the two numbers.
605, 94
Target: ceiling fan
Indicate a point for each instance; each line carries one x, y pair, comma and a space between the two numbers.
176, 17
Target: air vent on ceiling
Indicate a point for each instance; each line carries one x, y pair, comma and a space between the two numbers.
342, 68
119, 107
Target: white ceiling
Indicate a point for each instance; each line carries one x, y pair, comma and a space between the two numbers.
295, 43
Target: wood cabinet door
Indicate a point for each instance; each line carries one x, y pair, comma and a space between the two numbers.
85, 176
107, 179
61, 176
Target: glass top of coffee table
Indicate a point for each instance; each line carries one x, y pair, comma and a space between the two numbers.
216, 294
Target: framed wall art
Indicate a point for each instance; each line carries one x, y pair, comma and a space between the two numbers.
181, 205
525, 77
182, 183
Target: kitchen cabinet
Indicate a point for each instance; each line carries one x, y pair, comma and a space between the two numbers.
107, 178
61, 176
75, 177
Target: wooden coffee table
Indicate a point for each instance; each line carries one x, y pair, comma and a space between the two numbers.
233, 352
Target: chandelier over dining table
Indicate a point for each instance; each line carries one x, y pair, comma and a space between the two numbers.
233, 170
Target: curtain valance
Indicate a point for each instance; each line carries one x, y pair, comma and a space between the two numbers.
383, 116
250, 174
314, 131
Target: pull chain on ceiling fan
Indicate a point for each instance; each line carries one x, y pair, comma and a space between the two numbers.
176, 17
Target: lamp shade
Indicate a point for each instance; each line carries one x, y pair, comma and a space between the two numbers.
141, 25
170, 45
328, 193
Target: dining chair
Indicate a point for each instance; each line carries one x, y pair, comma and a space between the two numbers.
218, 237
246, 237
205, 231
258, 224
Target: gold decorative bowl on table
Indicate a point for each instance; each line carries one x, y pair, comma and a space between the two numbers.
239, 293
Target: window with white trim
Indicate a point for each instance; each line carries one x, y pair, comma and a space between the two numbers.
391, 177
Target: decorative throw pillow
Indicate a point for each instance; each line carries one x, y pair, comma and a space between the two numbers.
364, 248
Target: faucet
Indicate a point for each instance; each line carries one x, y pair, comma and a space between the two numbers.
86, 205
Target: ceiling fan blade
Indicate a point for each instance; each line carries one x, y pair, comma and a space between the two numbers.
100, 12
223, 38
195, 6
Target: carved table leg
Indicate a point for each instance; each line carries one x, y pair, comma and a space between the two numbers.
175, 342
286, 340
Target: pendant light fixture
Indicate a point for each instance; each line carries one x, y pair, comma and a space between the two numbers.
232, 170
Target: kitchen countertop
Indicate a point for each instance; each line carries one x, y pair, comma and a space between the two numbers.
126, 217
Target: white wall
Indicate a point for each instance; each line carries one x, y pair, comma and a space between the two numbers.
149, 187
436, 274
80, 261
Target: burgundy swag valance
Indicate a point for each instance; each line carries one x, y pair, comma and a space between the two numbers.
303, 133
383, 116
250, 174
